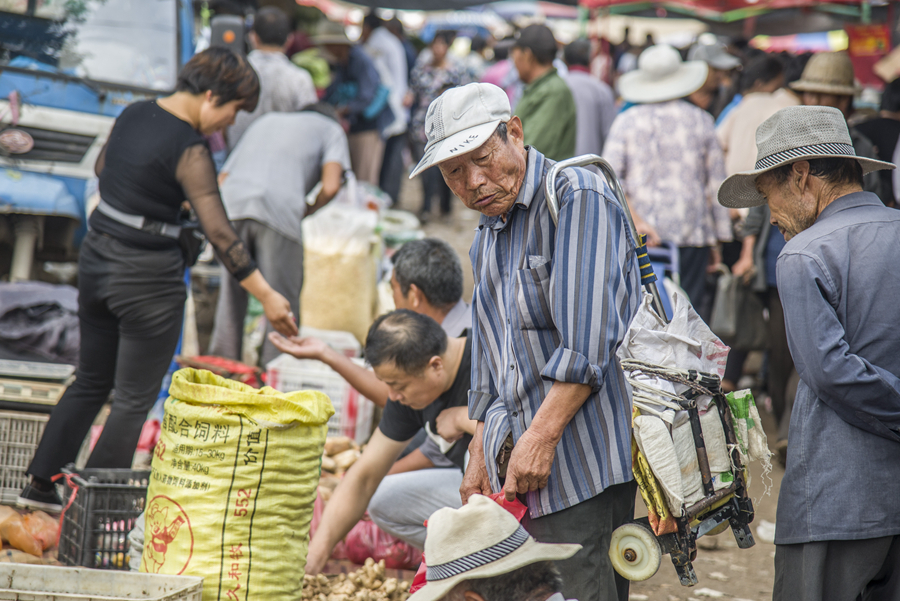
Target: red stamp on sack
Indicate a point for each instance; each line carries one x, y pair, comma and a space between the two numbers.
165, 521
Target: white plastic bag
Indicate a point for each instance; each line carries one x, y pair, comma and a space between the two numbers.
653, 439
684, 343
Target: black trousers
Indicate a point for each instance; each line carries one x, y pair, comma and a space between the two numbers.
434, 186
392, 166
131, 305
588, 575
838, 570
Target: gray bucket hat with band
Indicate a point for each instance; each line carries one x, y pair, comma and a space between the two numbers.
793, 134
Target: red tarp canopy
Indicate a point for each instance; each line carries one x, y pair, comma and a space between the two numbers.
711, 7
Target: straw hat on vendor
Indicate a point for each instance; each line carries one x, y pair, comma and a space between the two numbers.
662, 76
799, 133
330, 33
827, 73
481, 548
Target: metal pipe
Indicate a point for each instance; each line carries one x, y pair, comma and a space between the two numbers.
694, 510
610, 176
27, 229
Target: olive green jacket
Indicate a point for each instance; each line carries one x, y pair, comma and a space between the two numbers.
547, 111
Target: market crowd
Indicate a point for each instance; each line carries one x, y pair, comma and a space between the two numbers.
735, 163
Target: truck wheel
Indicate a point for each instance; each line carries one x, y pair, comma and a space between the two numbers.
634, 552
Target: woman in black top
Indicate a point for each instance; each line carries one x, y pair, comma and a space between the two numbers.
131, 267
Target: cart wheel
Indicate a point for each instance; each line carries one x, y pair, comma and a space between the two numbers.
634, 552
719, 529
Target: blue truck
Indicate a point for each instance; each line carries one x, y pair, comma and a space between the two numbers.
67, 69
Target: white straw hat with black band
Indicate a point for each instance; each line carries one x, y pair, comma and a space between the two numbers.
479, 540
793, 134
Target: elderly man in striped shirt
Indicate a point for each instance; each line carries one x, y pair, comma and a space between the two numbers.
551, 306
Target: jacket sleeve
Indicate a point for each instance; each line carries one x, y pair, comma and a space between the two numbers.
862, 394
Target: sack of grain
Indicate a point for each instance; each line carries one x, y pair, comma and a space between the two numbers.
340, 266
233, 482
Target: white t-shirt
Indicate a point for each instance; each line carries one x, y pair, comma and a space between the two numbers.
283, 87
277, 162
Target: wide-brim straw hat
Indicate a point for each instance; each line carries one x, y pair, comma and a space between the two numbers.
827, 73
331, 33
479, 540
793, 134
662, 75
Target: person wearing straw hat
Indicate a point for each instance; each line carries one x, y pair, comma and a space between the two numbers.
361, 99
669, 161
838, 528
481, 553
828, 80
551, 305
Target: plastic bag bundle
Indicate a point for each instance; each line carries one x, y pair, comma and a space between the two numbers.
232, 487
686, 342
748, 429
671, 453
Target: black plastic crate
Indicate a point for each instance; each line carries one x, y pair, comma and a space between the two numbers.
95, 527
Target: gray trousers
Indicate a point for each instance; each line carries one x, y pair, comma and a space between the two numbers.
839, 570
404, 501
280, 261
588, 575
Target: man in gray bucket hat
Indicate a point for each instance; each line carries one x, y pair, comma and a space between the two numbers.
838, 528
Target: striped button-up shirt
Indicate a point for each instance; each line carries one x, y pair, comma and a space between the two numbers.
553, 304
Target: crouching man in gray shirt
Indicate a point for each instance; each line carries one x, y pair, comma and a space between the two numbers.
838, 528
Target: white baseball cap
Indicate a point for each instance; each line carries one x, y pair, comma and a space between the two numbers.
460, 120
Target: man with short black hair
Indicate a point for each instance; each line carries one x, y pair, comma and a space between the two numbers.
595, 103
283, 86
547, 109
428, 279
838, 533
427, 376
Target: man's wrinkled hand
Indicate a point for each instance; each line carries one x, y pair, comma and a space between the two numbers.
529, 465
475, 481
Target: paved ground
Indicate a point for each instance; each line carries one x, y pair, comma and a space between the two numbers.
724, 571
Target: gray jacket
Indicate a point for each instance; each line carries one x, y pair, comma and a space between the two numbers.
838, 281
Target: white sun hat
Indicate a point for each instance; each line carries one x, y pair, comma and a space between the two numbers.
479, 540
461, 120
662, 75
793, 134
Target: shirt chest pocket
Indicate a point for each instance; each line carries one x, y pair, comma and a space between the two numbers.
533, 294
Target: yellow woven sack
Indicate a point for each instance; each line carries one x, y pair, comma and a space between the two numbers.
233, 483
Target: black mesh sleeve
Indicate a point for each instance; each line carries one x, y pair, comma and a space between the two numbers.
197, 176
